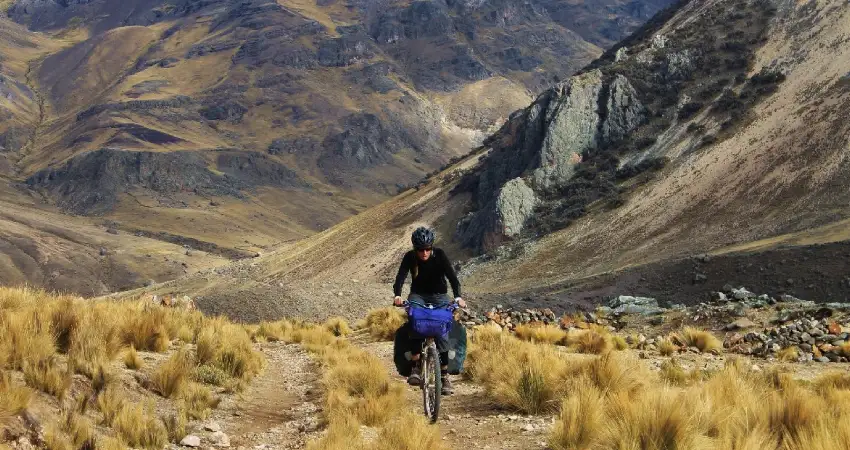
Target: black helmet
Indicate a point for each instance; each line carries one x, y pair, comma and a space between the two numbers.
423, 238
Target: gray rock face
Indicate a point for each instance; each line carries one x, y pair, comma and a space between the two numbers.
514, 206
625, 111
573, 121
543, 143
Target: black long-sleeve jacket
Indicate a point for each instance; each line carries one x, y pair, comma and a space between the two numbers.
429, 277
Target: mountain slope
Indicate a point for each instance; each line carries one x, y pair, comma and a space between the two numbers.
742, 156
241, 125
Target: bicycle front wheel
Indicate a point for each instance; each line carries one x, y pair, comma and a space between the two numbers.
432, 389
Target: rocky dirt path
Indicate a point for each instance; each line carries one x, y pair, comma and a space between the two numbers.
468, 419
280, 409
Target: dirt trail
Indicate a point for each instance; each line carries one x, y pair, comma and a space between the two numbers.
468, 419
280, 408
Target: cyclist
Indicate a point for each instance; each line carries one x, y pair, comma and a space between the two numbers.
429, 267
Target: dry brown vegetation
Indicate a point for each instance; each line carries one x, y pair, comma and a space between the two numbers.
701, 339
358, 391
50, 338
382, 323
613, 402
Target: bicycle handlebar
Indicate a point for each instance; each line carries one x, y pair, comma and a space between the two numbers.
452, 306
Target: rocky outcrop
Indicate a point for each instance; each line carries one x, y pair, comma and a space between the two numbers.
365, 142
538, 148
514, 206
573, 120
625, 112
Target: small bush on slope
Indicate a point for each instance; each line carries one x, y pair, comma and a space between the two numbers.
13, 399
547, 334
382, 323
171, 376
703, 340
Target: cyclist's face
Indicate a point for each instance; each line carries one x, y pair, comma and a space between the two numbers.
423, 253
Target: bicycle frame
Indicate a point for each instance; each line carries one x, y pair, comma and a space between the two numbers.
431, 381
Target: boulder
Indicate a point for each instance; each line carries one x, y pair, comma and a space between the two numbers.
739, 324
514, 206
191, 441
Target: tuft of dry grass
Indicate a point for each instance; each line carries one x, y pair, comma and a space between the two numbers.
518, 374
595, 340
79, 429
620, 343
139, 427
170, 377
175, 424
198, 400
547, 334
409, 432
581, 418
788, 354
110, 402
701, 339
384, 322
132, 360
13, 399
110, 443
228, 347
338, 326
146, 331
211, 375
48, 377
666, 347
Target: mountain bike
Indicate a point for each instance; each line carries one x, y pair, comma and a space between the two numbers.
429, 359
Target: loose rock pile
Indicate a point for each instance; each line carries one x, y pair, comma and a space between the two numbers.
508, 318
819, 332
822, 340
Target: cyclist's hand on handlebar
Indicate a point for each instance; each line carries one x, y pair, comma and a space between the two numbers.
397, 301
460, 302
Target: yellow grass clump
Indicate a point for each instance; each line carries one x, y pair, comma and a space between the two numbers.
595, 340
613, 402
229, 348
48, 377
519, 374
666, 347
13, 399
384, 322
338, 326
198, 400
171, 377
620, 343
701, 339
132, 360
139, 427
788, 354
548, 334
50, 337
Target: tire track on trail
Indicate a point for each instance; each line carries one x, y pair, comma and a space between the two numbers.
280, 408
468, 418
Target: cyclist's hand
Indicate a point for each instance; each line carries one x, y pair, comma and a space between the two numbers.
460, 302
397, 301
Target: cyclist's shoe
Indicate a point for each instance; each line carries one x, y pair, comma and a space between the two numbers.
447, 386
415, 379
